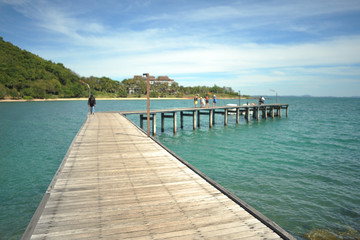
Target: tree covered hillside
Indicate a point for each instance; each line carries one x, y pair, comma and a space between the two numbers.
25, 75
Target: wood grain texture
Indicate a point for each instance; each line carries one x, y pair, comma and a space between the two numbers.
116, 183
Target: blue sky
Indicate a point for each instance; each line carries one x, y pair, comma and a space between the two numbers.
294, 47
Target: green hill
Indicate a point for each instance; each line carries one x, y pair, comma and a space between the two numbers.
24, 75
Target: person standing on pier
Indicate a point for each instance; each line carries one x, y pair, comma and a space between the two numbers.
92, 104
214, 101
196, 100
207, 101
202, 102
261, 100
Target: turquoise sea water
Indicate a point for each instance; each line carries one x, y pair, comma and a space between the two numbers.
302, 171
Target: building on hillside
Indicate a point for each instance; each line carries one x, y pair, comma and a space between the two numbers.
158, 80
133, 90
137, 77
165, 80
153, 81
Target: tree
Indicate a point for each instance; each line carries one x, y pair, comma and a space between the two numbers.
216, 89
154, 94
39, 89
2, 91
121, 92
174, 88
27, 92
53, 86
142, 85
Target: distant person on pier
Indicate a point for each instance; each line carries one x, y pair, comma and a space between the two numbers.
196, 100
92, 104
202, 102
214, 101
261, 100
207, 101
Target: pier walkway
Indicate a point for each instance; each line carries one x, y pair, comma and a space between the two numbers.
116, 183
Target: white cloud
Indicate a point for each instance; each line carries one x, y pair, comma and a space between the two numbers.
225, 58
206, 39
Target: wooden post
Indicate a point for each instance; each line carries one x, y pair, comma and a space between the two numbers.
279, 114
272, 112
198, 118
210, 118
181, 119
174, 121
226, 117
287, 110
265, 112
237, 115
248, 114
194, 119
258, 113
213, 117
141, 121
162, 122
154, 124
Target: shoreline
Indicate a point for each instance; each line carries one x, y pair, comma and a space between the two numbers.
83, 99
100, 99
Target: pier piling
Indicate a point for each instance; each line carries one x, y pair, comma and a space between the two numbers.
226, 117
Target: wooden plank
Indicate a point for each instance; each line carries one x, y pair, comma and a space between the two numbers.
116, 183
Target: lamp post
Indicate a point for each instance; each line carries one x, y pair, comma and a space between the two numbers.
148, 101
276, 94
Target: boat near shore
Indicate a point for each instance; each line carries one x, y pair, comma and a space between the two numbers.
232, 111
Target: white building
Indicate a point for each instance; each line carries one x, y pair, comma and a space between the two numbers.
159, 80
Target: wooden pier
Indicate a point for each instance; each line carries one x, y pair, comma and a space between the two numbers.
117, 183
266, 110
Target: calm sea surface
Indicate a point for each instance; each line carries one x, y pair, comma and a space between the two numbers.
302, 172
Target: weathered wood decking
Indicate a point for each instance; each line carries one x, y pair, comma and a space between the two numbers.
116, 183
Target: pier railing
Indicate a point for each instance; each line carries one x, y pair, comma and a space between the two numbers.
257, 111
